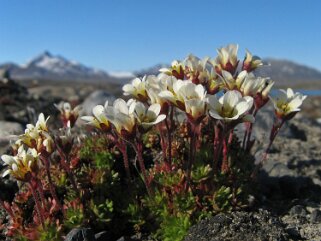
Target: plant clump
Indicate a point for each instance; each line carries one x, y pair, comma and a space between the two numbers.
156, 163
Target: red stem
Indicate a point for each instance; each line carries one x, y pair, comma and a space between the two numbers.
191, 158
64, 164
216, 146
230, 139
41, 193
225, 166
123, 149
169, 144
163, 143
51, 186
139, 152
39, 210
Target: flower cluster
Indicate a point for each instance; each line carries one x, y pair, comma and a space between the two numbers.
22, 165
180, 125
38, 142
32, 158
190, 86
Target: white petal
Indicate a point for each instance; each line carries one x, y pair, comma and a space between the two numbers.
8, 160
160, 118
289, 92
242, 107
41, 117
98, 110
106, 104
231, 98
215, 115
66, 106
167, 95
295, 103
128, 89
200, 90
6, 172
178, 84
249, 100
87, 118
121, 106
153, 110
137, 81
140, 111
14, 167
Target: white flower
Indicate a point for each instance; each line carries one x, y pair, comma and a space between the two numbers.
121, 115
147, 117
42, 122
287, 103
47, 143
231, 107
198, 70
195, 101
22, 164
175, 95
37, 137
137, 89
176, 69
30, 136
67, 113
99, 119
195, 109
251, 62
226, 59
252, 86
230, 82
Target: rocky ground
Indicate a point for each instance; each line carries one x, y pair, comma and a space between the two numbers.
289, 204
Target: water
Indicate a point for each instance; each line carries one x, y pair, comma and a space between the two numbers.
302, 91
274, 92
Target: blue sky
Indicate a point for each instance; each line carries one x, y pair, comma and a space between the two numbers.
129, 35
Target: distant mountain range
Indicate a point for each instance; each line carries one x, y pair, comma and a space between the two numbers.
50, 67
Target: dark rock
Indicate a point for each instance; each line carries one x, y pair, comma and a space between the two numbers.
17, 105
297, 133
102, 236
277, 178
80, 234
315, 216
121, 239
236, 226
298, 210
8, 188
294, 233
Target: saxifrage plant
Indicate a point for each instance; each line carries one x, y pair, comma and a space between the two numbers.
181, 158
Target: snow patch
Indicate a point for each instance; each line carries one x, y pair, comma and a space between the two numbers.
122, 74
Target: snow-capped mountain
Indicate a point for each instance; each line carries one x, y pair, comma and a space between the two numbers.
57, 68
60, 65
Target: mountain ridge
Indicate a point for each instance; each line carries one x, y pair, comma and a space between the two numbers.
46, 67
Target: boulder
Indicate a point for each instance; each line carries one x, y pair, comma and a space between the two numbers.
7, 130
80, 234
98, 97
